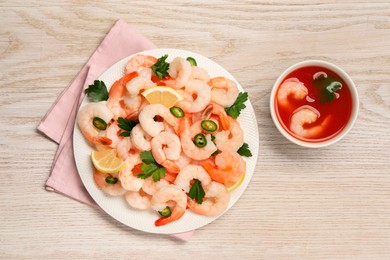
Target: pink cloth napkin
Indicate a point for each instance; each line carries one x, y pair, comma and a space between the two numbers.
121, 41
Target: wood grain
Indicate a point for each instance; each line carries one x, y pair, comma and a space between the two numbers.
330, 203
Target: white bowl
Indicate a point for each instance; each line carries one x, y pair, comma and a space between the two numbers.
354, 95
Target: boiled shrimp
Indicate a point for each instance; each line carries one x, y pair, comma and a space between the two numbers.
116, 95
231, 139
138, 199
111, 189
227, 167
291, 87
140, 62
179, 71
140, 139
223, 91
85, 122
172, 197
166, 149
183, 161
215, 201
307, 115
111, 133
126, 176
203, 96
124, 147
219, 111
139, 84
151, 187
152, 127
188, 146
200, 74
188, 174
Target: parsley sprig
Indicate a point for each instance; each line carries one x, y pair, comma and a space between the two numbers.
244, 150
160, 68
197, 192
150, 167
97, 91
126, 125
327, 86
235, 109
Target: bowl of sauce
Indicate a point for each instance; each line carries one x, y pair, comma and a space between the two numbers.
314, 103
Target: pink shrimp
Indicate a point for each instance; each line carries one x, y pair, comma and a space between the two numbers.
293, 88
85, 119
172, 197
218, 110
226, 168
166, 149
215, 202
223, 91
140, 62
115, 189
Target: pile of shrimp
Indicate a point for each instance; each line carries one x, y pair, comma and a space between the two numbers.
170, 139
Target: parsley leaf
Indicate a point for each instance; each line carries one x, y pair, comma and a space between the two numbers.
149, 167
235, 110
158, 174
127, 125
244, 150
197, 192
147, 157
327, 87
97, 91
160, 68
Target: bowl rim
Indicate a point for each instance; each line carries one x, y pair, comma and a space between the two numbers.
350, 84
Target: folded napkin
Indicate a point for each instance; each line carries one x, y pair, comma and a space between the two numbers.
121, 41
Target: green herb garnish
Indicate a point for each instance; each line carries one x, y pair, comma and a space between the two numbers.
126, 125
97, 91
160, 68
196, 192
150, 167
244, 150
235, 110
327, 87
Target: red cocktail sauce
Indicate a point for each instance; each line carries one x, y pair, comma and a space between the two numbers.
336, 112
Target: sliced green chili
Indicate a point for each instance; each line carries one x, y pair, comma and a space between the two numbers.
99, 123
177, 112
200, 140
192, 61
209, 125
165, 212
111, 180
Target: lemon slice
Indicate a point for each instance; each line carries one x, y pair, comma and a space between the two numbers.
162, 95
106, 161
238, 183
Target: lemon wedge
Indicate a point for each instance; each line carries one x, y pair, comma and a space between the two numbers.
106, 161
162, 95
238, 183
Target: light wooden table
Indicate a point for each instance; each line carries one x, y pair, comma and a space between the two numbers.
331, 203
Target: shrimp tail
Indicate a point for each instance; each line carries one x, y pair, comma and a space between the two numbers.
225, 122
103, 140
176, 214
171, 166
215, 175
118, 88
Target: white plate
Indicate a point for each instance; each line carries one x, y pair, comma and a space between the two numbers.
117, 207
